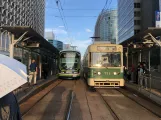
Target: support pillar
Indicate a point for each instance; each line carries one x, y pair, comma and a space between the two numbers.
160, 61
140, 56
149, 60
40, 66
12, 47
22, 56
29, 59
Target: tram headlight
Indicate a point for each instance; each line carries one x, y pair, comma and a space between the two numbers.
62, 72
99, 73
116, 73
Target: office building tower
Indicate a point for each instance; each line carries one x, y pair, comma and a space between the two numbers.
106, 26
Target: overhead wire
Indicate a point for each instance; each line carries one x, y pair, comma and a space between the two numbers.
109, 4
73, 8
60, 8
62, 15
77, 16
105, 5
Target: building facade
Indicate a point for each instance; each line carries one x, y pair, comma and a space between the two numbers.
67, 47
23, 13
135, 16
58, 44
106, 26
20, 13
49, 36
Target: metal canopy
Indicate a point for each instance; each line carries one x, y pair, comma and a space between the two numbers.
30, 37
147, 36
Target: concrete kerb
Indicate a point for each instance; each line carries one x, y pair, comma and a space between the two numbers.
144, 93
36, 90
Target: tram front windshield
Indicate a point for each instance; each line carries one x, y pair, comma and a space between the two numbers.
69, 61
105, 59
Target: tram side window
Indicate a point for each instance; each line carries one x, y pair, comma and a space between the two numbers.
87, 60
90, 59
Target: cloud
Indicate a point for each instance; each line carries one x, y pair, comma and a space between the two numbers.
81, 45
88, 30
56, 30
61, 26
78, 33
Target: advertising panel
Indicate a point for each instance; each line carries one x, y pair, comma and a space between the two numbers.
157, 19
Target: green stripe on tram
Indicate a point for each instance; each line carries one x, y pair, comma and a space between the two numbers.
105, 73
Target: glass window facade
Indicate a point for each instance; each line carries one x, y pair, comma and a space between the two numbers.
51, 41
125, 19
58, 44
106, 26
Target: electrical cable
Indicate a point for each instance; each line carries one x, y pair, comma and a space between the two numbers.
62, 16
77, 16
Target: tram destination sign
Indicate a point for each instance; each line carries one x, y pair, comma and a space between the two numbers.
106, 48
71, 55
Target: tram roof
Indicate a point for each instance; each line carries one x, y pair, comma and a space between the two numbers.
69, 51
155, 32
33, 36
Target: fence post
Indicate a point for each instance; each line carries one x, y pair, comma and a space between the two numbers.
150, 85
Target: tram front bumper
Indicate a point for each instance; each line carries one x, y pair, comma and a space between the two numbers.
69, 75
105, 82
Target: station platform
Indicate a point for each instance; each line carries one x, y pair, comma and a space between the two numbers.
152, 94
26, 91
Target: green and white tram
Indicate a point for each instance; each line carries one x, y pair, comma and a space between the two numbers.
69, 64
103, 65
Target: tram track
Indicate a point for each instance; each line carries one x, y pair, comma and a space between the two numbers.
122, 107
69, 108
108, 106
70, 102
41, 93
134, 97
67, 103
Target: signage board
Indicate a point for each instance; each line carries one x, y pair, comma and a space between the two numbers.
157, 19
106, 48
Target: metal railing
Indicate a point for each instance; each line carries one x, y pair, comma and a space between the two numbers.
150, 83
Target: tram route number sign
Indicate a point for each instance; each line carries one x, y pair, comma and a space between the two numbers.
69, 55
106, 48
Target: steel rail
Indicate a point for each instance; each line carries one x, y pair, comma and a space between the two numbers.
41, 98
108, 106
70, 106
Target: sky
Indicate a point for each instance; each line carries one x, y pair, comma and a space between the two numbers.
78, 21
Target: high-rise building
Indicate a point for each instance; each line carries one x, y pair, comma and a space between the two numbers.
160, 5
20, 13
135, 16
23, 13
58, 44
106, 26
49, 36
67, 47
